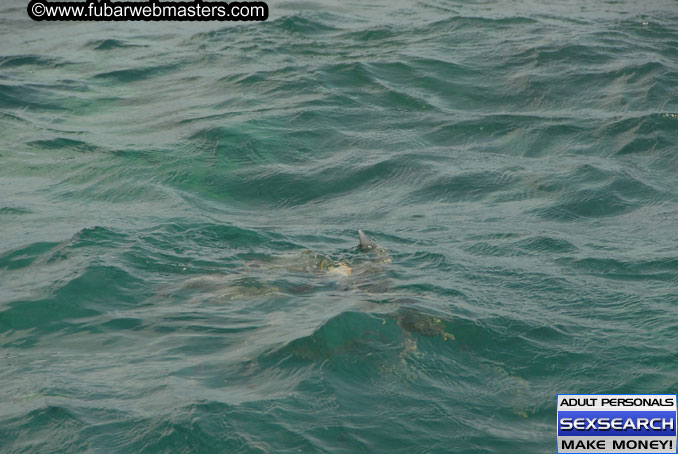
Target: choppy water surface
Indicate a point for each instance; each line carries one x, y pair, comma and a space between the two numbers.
179, 206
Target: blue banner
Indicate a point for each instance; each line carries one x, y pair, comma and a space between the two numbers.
617, 423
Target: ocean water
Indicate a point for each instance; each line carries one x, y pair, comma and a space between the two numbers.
179, 206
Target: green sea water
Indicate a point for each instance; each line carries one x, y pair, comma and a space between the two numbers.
179, 206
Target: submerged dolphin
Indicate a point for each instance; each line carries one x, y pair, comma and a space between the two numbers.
366, 244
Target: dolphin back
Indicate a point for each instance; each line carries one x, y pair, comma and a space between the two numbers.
366, 244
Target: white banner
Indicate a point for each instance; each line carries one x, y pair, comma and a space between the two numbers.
616, 444
626, 402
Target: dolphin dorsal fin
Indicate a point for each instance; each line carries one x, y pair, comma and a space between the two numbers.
366, 244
